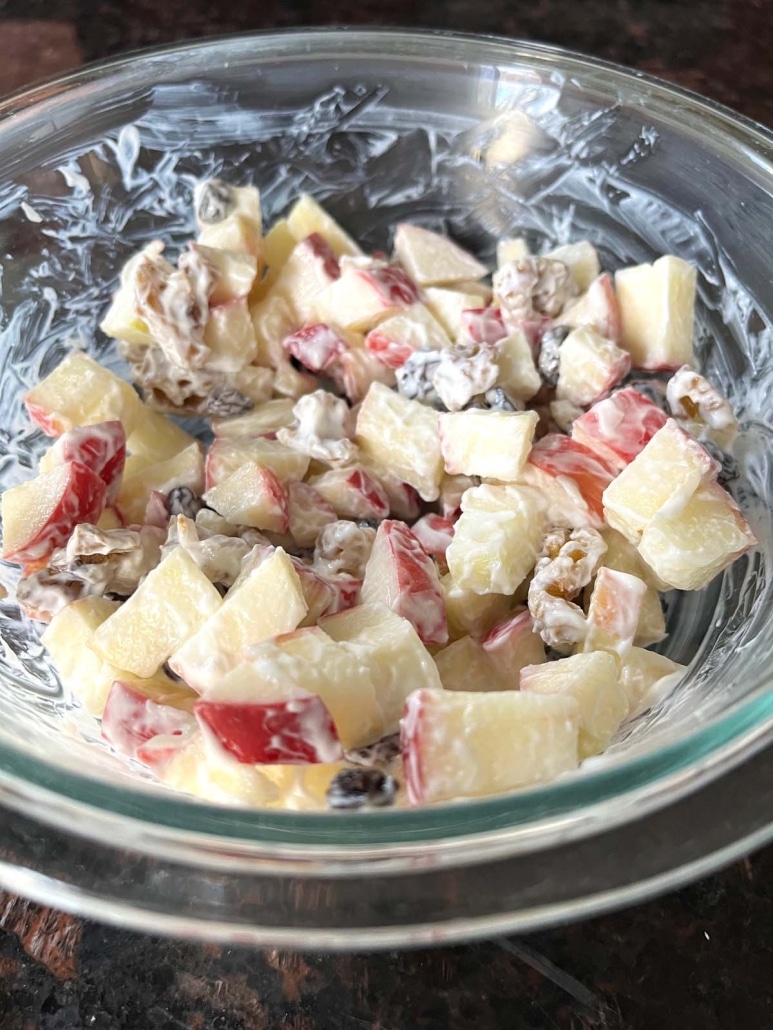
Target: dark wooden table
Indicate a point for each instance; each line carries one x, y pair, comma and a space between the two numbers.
701, 958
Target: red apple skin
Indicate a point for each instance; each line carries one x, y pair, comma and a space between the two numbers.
316, 346
101, 447
296, 732
43, 418
346, 593
434, 533
411, 732
483, 325
389, 352
318, 247
618, 428
392, 285
356, 494
401, 575
82, 499
560, 455
131, 719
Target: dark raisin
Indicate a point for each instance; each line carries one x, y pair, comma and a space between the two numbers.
167, 668
497, 400
654, 389
367, 523
549, 353
729, 469
381, 752
183, 501
355, 788
216, 202
414, 378
225, 401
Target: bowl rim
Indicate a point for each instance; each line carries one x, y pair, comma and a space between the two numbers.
280, 836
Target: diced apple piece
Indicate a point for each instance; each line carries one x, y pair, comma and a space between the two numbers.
234, 274
310, 659
356, 369
262, 420
514, 249
308, 513
434, 533
614, 612
490, 444
657, 311
267, 599
228, 454
582, 261
404, 501
403, 436
465, 666
401, 575
346, 592
589, 367
173, 601
318, 593
688, 547
591, 680
315, 346
619, 427
390, 648
352, 493
212, 774
597, 309
80, 392
137, 711
511, 644
434, 260
156, 437
496, 539
448, 307
661, 478
452, 489
518, 375
230, 336
184, 469
644, 673
260, 723
252, 496
307, 217
362, 297
273, 319
396, 338
228, 217
472, 744
564, 458
39, 515
84, 673
306, 275
278, 245
471, 613
100, 447
623, 557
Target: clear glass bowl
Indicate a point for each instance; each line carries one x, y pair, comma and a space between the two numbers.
484, 138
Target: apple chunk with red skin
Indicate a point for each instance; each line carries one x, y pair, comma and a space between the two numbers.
597, 309
619, 427
401, 575
100, 447
40, 515
252, 496
137, 712
268, 723
562, 456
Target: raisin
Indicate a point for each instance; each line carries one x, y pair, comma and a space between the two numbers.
225, 401
216, 202
382, 751
183, 501
549, 354
355, 788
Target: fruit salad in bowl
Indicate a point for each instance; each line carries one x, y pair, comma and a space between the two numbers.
386, 488
418, 554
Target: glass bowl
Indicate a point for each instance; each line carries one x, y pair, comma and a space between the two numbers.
483, 138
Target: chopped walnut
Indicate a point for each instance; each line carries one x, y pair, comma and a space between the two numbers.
218, 556
343, 547
213, 201
322, 429
568, 562
701, 407
550, 353
45, 592
533, 286
112, 561
463, 374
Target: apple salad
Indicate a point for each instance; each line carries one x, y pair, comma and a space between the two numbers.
420, 555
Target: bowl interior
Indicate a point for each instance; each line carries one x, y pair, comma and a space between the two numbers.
482, 139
